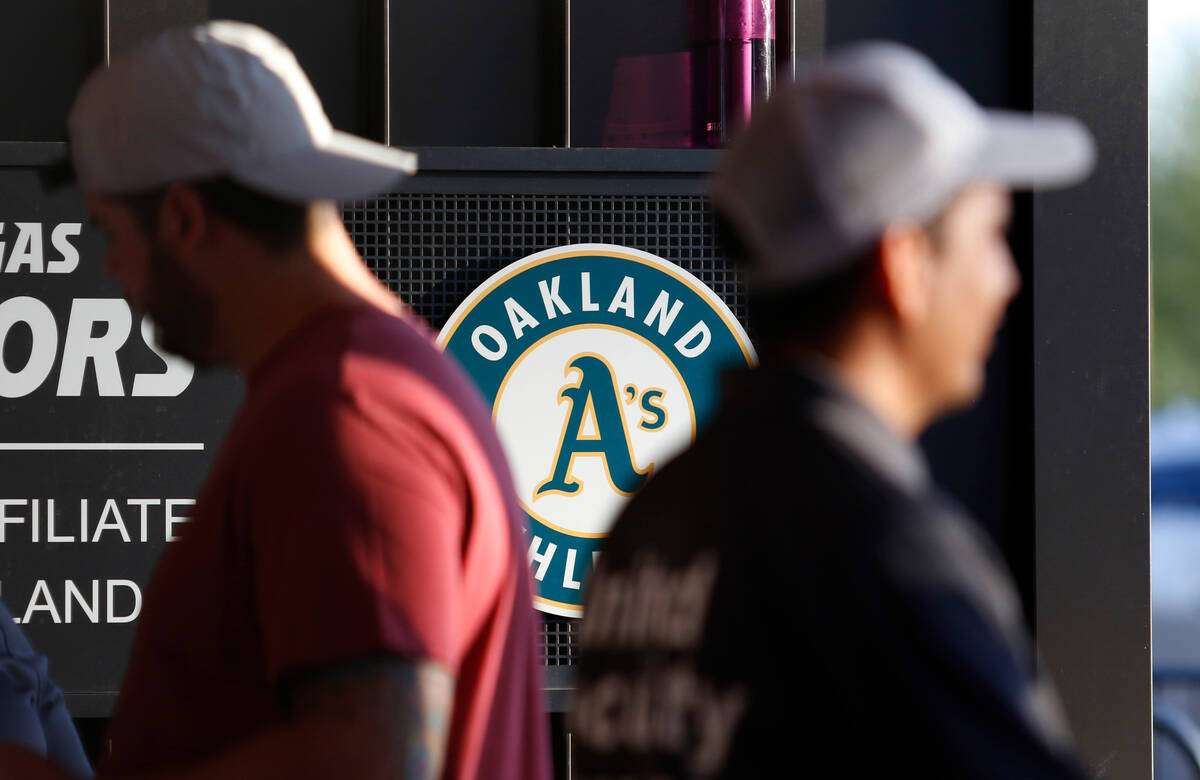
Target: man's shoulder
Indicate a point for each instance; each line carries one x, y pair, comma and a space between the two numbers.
359, 389
782, 462
789, 491
746, 481
367, 342
366, 357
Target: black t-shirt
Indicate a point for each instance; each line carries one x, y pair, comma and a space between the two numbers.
793, 594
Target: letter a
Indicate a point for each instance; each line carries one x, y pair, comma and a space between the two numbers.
593, 399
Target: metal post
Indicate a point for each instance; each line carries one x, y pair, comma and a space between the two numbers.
387, 72
107, 32
1091, 385
567, 75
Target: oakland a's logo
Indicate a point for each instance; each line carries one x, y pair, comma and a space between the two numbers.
599, 362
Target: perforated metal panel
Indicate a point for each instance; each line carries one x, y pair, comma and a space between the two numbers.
434, 249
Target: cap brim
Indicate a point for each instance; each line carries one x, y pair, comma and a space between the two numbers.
345, 167
1035, 151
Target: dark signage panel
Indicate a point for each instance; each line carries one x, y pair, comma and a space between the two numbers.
104, 440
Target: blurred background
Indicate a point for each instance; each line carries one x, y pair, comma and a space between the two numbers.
1174, 86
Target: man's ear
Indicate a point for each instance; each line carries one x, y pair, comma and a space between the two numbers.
904, 263
183, 222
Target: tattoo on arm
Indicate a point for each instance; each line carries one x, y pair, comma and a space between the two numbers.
400, 709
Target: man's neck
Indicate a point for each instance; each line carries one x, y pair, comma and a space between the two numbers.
281, 292
885, 389
877, 377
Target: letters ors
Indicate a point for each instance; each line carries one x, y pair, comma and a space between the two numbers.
600, 363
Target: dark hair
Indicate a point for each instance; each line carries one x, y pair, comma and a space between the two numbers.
278, 225
813, 314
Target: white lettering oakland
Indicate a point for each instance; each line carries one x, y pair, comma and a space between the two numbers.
600, 363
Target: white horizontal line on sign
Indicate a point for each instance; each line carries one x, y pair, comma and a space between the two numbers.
102, 446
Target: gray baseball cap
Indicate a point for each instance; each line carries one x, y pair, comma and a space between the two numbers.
220, 99
874, 135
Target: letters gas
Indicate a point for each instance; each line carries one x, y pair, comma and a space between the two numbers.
26, 245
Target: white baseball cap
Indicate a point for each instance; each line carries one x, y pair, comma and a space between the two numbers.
874, 135
221, 99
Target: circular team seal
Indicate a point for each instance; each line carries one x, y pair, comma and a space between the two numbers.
600, 363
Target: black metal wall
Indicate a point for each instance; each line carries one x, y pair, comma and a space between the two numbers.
1052, 460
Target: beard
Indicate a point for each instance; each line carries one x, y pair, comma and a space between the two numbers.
183, 314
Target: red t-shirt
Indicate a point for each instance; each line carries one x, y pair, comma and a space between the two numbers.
360, 507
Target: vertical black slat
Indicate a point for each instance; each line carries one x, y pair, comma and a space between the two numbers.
568, 76
339, 47
130, 21
95, 18
1091, 382
555, 73
465, 73
1018, 536
785, 37
374, 35
387, 71
47, 48
602, 33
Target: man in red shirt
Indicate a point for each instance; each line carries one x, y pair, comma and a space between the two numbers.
350, 598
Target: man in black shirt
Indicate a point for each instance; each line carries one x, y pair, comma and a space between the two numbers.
793, 593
